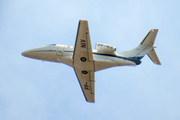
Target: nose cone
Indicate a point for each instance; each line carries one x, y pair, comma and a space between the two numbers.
32, 53
35, 53
26, 53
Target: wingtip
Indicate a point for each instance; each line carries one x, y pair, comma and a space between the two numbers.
82, 20
154, 30
158, 63
91, 101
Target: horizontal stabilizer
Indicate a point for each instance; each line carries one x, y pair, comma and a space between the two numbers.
153, 56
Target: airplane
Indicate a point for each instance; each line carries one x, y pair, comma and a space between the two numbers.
86, 61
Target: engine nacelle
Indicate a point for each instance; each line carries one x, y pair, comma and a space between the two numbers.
104, 48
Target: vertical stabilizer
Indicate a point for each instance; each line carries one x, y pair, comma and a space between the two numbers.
145, 47
150, 37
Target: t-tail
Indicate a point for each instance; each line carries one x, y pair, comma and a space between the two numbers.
145, 47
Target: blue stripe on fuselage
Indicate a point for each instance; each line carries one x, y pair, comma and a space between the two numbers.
135, 60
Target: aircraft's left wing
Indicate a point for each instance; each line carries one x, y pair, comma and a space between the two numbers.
83, 60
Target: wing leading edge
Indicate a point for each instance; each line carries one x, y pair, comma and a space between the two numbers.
83, 61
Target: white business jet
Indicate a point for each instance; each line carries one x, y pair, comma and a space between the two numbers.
86, 61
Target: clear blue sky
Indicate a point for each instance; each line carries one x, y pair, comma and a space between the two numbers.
36, 90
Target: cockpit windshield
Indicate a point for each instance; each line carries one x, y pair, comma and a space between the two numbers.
52, 44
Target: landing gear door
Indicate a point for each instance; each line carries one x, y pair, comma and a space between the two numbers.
60, 50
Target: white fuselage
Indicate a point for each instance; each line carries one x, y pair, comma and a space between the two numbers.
64, 54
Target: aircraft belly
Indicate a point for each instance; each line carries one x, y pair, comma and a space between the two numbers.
103, 62
66, 60
122, 62
54, 58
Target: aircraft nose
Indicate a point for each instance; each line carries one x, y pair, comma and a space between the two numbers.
32, 53
25, 53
